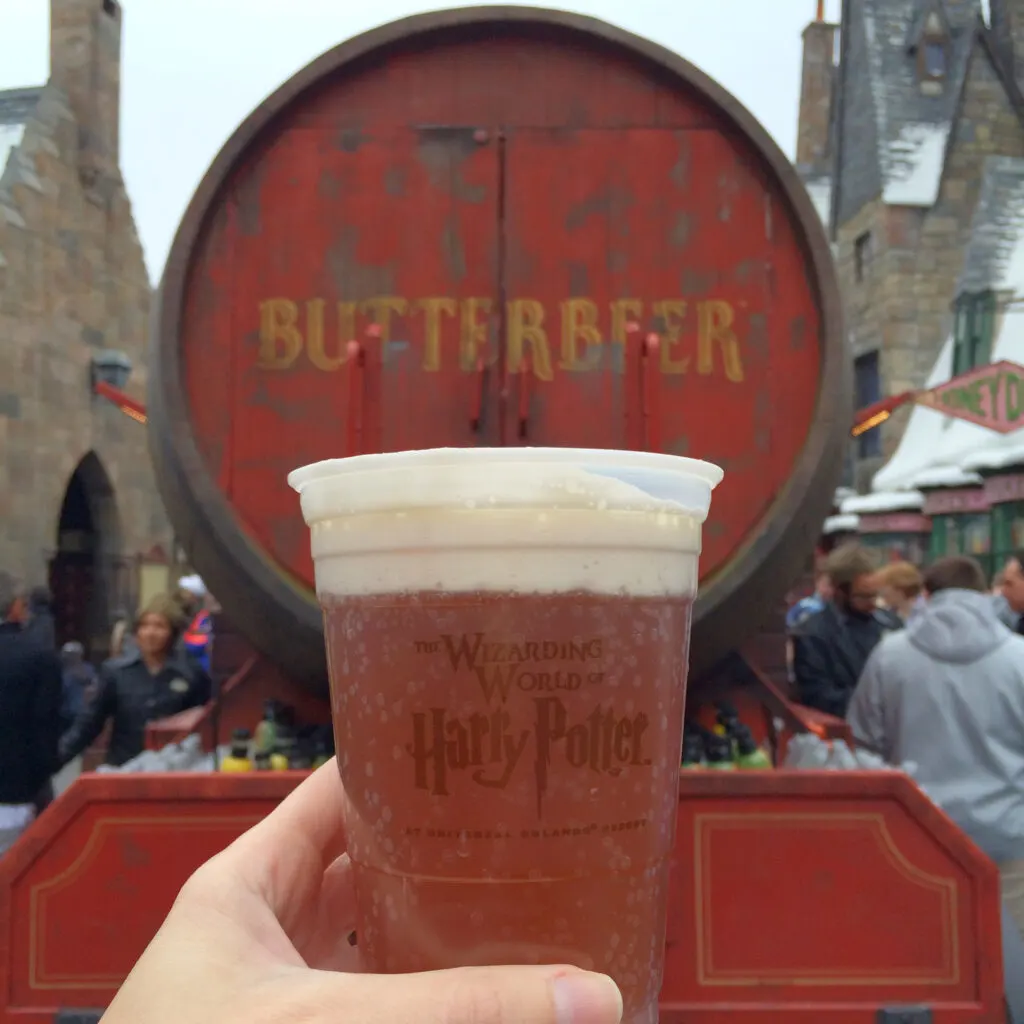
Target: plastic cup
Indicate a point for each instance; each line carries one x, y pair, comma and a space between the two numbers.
507, 639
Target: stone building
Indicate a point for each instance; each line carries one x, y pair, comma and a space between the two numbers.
78, 502
920, 97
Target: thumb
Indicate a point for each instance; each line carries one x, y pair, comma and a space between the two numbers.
480, 995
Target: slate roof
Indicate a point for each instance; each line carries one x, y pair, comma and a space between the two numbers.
992, 257
891, 137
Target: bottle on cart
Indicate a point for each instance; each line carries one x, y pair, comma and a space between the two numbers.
261, 761
301, 759
727, 719
266, 731
284, 750
321, 753
750, 756
693, 751
719, 755
238, 758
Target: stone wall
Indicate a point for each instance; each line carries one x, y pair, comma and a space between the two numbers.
864, 301
72, 282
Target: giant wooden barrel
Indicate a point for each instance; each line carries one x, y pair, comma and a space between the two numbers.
504, 193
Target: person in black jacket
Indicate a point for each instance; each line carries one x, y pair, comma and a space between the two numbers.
831, 647
40, 625
151, 682
30, 699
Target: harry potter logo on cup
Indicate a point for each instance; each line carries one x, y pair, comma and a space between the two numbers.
486, 743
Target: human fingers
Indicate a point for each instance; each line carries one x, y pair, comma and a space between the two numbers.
311, 812
327, 943
223, 943
268, 884
467, 995
283, 858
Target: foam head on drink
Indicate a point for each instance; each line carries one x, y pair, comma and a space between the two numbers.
507, 637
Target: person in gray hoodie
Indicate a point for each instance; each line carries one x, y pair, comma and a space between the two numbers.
947, 693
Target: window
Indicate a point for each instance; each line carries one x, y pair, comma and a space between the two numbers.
932, 52
862, 249
972, 332
977, 534
868, 390
933, 59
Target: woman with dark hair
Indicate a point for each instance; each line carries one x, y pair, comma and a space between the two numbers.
149, 682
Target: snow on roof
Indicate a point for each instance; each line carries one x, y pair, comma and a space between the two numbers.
913, 165
885, 501
994, 258
998, 458
945, 476
917, 446
954, 440
16, 106
10, 136
820, 190
840, 524
911, 126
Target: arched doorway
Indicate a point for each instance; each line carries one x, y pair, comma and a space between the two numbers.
88, 575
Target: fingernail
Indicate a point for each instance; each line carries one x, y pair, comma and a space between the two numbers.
586, 998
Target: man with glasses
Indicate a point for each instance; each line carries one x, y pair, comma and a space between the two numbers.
831, 647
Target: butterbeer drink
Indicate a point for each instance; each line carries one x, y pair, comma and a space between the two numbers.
507, 636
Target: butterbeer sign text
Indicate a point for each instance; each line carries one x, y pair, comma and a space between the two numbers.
487, 745
698, 336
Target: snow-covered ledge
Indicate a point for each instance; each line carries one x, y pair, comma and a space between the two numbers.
995, 458
945, 476
840, 524
882, 501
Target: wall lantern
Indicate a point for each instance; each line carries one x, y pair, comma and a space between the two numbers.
111, 368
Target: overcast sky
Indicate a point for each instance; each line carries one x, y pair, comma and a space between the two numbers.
193, 69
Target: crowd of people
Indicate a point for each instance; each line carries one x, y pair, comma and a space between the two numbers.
54, 704
927, 668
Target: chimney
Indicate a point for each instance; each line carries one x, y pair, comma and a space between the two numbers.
85, 62
816, 84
